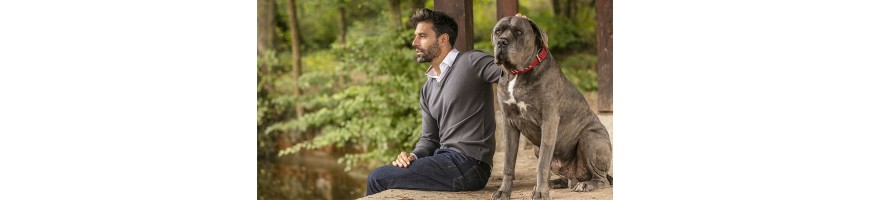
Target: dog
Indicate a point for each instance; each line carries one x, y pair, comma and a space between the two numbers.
538, 101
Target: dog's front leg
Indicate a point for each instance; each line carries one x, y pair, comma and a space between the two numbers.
512, 140
549, 136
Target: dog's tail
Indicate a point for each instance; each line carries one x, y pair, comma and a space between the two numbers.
610, 179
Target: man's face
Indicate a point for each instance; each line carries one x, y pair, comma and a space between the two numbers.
426, 42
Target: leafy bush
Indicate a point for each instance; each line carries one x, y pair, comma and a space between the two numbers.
581, 71
568, 35
378, 114
361, 98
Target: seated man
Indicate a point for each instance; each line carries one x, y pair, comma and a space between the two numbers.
457, 143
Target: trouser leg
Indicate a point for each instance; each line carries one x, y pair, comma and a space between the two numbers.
444, 171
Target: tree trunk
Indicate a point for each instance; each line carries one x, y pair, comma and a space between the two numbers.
297, 59
265, 25
342, 32
557, 7
413, 7
604, 32
396, 11
342, 25
572, 10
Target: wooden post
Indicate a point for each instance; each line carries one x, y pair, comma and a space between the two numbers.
461, 11
604, 32
505, 8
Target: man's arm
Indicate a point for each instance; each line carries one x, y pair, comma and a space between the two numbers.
429, 140
486, 68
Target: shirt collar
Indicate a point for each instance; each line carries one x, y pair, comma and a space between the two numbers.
444, 65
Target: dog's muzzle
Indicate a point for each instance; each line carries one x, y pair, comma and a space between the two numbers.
502, 43
501, 46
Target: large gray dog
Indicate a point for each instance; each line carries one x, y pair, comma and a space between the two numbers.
539, 102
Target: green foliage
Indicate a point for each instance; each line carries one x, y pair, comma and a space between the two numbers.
318, 21
485, 46
378, 113
268, 73
484, 19
581, 71
361, 98
565, 34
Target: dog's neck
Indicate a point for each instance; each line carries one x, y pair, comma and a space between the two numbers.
537, 60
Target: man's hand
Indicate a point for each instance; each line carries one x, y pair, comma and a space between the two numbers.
403, 160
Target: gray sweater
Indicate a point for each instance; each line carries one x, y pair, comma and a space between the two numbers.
458, 112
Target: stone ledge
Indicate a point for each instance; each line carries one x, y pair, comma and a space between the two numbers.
524, 183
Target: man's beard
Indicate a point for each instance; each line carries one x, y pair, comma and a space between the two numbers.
429, 54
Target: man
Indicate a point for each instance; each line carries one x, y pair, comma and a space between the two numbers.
457, 144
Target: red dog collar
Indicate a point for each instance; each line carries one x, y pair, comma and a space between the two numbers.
538, 60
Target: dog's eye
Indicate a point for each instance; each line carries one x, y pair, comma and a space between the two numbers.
519, 33
498, 32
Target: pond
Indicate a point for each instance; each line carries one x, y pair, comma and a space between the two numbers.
308, 175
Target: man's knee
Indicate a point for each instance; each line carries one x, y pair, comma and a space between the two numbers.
382, 173
377, 178
377, 174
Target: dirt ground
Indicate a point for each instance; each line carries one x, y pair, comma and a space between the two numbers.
524, 181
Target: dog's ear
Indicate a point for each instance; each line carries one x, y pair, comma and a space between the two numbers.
540, 36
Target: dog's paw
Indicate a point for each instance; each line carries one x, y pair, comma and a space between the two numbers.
541, 195
582, 187
501, 195
587, 186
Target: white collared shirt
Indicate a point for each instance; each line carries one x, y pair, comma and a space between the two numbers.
444, 66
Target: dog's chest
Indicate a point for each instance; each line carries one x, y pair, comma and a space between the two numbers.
518, 99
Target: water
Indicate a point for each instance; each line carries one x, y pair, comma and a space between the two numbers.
308, 175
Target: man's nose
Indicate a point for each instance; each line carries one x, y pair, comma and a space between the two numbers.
502, 42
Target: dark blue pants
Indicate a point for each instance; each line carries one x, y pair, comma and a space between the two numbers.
447, 170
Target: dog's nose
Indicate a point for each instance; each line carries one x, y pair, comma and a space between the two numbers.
502, 42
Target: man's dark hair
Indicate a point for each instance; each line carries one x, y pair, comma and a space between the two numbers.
440, 21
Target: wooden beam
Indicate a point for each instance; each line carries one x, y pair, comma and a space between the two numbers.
461, 11
604, 32
505, 8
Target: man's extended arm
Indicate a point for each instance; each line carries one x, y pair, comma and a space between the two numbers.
429, 140
486, 69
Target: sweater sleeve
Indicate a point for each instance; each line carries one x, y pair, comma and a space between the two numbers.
485, 67
429, 140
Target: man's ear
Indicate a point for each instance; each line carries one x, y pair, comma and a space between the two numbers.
445, 39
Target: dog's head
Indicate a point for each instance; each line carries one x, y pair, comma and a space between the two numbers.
516, 40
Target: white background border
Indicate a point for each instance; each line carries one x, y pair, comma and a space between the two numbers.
155, 99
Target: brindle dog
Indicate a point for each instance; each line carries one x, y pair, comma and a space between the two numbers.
539, 102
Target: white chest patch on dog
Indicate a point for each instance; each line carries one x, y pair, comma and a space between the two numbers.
513, 100
511, 84
523, 106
